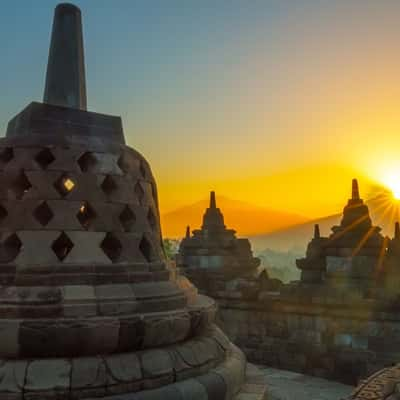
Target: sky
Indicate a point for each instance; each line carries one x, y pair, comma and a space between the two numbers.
276, 103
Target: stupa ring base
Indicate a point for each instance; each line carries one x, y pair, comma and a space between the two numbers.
209, 360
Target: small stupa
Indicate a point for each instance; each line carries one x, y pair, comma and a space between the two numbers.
89, 307
354, 252
313, 266
215, 252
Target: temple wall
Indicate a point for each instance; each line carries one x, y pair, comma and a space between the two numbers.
340, 339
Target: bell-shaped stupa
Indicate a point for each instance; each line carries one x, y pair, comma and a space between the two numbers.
213, 255
89, 307
352, 254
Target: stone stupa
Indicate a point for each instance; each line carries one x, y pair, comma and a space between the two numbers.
89, 307
213, 254
352, 255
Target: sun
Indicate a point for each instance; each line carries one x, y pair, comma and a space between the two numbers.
392, 182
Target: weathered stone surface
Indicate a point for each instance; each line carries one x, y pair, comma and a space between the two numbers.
9, 345
88, 376
51, 375
214, 253
124, 367
12, 378
89, 307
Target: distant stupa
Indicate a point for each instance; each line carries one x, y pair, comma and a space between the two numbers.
351, 254
214, 249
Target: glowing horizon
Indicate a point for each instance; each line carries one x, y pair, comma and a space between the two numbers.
277, 104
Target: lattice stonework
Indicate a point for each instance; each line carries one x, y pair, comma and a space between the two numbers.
44, 158
6, 155
64, 186
87, 162
43, 213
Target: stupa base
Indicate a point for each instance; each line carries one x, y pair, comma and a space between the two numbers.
207, 366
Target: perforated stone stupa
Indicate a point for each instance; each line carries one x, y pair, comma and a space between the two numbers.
354, 253
88, 305
214, 252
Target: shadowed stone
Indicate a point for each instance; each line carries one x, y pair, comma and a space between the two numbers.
65, 78
80, 228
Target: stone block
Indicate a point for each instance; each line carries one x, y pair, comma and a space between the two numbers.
157, 331
157, 368
124, 373
156, 363
64, 215
9, 333
42, 185
48, 375
191, 389
29, 257
214, 385
65, 159
131, 333
88, 376
86, 248
40, 338
115, 299
233, 372
12, 378
79, 293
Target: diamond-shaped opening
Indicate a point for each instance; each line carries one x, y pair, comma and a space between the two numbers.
44, 158
146, 249
142, 169
127, 218
64, 185
139, 192
108, 185
43, 213
112, 247
152, 219
122, 163
20, 185
86, 215
6, 155
10, 248
87, 162
3, 213
62, 246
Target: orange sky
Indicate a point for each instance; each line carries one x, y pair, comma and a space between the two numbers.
305, 119
275, 103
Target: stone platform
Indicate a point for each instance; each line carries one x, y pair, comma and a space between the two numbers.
383, 385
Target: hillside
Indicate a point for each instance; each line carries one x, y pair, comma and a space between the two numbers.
247, 219
295, 237
383, 211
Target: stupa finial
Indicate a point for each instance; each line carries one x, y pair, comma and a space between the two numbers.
397, 230
355, 194
65, 78
213, 203
317, 234
187, 236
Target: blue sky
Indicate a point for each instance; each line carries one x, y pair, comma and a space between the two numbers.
217, 94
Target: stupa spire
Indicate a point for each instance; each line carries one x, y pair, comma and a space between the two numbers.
397, 230
213, 203
317, 234
355, 194
65, 78
187, 236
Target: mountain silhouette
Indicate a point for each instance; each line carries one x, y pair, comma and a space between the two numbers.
384, 211
247, 219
